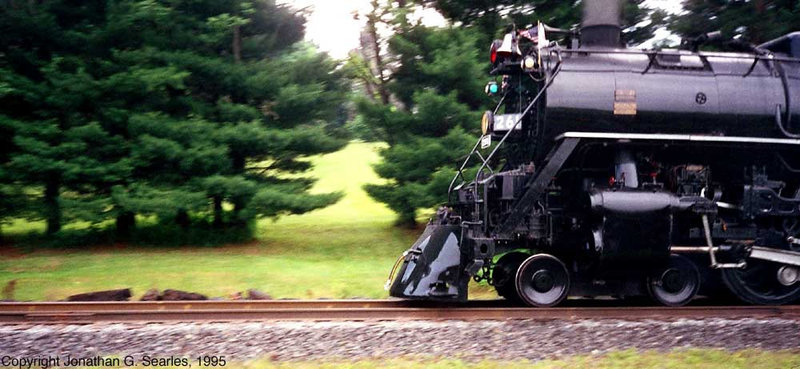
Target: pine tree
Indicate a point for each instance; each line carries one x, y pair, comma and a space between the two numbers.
435, 85
112, 109
59, 146
750, 21
639, 22
257, 104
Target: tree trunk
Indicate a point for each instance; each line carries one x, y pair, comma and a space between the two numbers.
379, 63
237, 44
182, 219
406, 219
52, 207
218, 211
125, 223
238, 163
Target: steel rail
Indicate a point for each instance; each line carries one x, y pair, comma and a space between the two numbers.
350, 310
62, 306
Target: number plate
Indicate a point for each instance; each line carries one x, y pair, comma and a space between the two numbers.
504, 122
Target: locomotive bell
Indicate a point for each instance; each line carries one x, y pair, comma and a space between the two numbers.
509, 46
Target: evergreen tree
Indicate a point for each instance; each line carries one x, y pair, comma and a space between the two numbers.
751, 21
638, 21
168, 108
58, 145
435, 79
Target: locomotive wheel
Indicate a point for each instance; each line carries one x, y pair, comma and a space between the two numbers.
504, 274
763, 283
542, 280
676, 284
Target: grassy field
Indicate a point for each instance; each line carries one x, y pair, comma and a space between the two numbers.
342, 251
678, 359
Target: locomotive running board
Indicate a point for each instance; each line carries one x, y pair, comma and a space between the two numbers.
679, 138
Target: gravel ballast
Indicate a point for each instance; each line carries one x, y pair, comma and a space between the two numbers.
513, 339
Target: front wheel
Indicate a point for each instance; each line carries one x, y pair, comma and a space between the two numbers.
676, 284
504, 275
542, 280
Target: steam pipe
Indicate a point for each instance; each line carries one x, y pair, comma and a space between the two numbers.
784, 128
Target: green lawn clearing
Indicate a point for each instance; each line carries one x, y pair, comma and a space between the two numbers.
342, 251
677, 359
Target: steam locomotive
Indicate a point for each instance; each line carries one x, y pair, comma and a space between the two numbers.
619, 172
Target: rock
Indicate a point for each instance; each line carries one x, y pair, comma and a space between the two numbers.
151, 295
110, 295
176, 295
236, 296
254, 294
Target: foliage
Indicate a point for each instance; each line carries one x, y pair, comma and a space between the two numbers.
750, 21
491, 17
435, 85
164, 108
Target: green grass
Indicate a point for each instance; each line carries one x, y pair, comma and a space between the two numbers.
627, 359
342, 251
678, 359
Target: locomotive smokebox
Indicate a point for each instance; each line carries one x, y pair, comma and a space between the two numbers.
601, 23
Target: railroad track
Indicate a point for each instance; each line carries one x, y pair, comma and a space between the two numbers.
353, 310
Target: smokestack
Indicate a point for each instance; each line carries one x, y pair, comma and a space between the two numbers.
601, 23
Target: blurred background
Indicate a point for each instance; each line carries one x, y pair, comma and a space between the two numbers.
292, 146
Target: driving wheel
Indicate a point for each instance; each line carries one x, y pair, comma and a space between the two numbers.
542, 280
675, 284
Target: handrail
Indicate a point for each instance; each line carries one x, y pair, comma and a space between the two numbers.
651, 55
657, 52
557, 68
485, 161
460, 172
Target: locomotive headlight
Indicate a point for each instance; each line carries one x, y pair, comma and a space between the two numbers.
528, 63
491, 88
487, 122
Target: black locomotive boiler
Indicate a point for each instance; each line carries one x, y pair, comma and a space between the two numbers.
611, 171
